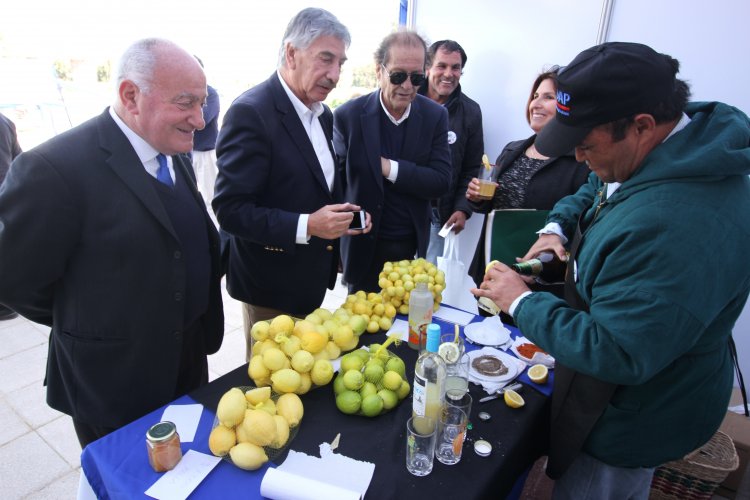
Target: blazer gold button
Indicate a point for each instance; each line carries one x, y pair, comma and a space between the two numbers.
329, 247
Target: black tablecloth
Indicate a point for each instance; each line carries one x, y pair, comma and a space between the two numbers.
518, 438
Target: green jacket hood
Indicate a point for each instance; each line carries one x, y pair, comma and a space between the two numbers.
723, 135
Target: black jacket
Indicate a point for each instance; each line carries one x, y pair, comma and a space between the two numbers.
557, 178
465, 123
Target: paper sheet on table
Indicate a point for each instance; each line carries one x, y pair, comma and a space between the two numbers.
453, 315
333, 477
400, 327
185, 418
178, 483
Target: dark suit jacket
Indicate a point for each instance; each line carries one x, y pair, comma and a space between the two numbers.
269, 174
424, 171
89, 249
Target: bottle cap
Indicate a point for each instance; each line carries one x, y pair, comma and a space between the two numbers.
433, 337
161, 432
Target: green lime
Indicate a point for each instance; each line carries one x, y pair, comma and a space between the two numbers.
403, 390
372, 405
392, 380
353, 380
348, 402
390, 398
368, 388
373, 372
338, 384
397, 365
351, 361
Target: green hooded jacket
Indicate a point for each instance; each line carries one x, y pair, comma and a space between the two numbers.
663, 268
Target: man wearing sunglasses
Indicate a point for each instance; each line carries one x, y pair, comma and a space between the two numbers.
446, 61
393, 147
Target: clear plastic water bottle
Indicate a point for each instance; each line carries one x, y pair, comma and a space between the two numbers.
420, 315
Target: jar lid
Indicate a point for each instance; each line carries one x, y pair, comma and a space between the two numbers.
482, 448
161, 432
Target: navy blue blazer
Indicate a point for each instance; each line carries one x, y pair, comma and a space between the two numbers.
424, 171
89, 249
268, 175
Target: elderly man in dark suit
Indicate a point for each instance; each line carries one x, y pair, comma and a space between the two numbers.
105, 238
9, 149
278, 194
394, 146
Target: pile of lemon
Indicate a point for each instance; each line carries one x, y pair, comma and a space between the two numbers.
398, 279
293, 356
376, 312
251, 421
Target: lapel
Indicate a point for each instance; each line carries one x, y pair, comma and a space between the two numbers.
125, 163
296, 131
370, 123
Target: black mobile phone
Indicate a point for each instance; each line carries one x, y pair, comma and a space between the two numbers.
358, 221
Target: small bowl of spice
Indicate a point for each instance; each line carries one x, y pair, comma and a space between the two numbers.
532, 353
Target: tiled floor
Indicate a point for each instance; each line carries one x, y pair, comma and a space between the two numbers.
39, 452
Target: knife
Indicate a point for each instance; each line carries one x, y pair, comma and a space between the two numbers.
517, 386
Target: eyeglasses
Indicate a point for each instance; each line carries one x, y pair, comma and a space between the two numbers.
399, 77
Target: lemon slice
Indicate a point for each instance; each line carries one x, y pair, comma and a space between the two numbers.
449, 352
538, 374
513, 399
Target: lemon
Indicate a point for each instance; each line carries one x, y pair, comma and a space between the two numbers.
390, 311
290, 407
538, 374
260, 428
373, 327
274, 358
385, 323
323, 314
314, 319
513, 399
248, 456
256, 369
285, 380
449, 351
322, 372
259, 395
231, 408
358, 324
306, 325
221, 440
259, 331
342, 335
305, 384
281, 324
332, 349
490, 266
302, 361
282, 432
313, 342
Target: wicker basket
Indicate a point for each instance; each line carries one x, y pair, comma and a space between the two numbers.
698, 474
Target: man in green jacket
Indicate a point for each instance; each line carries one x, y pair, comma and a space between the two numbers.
655, 281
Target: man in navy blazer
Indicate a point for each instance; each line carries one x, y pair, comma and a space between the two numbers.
278, 193
106, 239
393, 144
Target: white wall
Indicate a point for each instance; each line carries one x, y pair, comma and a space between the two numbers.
509, 42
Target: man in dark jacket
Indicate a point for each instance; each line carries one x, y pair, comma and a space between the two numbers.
446, 61
9, 149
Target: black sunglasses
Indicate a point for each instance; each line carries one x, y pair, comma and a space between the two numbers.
399, 77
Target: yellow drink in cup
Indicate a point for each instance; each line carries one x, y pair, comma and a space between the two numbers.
487, 175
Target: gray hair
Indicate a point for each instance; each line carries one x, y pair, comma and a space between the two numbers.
308, 25
138, 62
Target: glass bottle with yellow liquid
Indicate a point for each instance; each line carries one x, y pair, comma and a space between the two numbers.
429, 379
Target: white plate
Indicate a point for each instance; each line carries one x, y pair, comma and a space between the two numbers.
480, 334
508, 360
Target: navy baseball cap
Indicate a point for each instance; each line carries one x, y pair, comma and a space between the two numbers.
602, 84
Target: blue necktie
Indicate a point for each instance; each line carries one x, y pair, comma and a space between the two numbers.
162, 175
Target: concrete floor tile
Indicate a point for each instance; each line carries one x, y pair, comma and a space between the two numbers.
63, 487
23, 368
28, 464
13, 425
30, 403
230, 356
61, 437
18, 336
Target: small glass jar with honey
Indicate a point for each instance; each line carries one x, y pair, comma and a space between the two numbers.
163, 445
